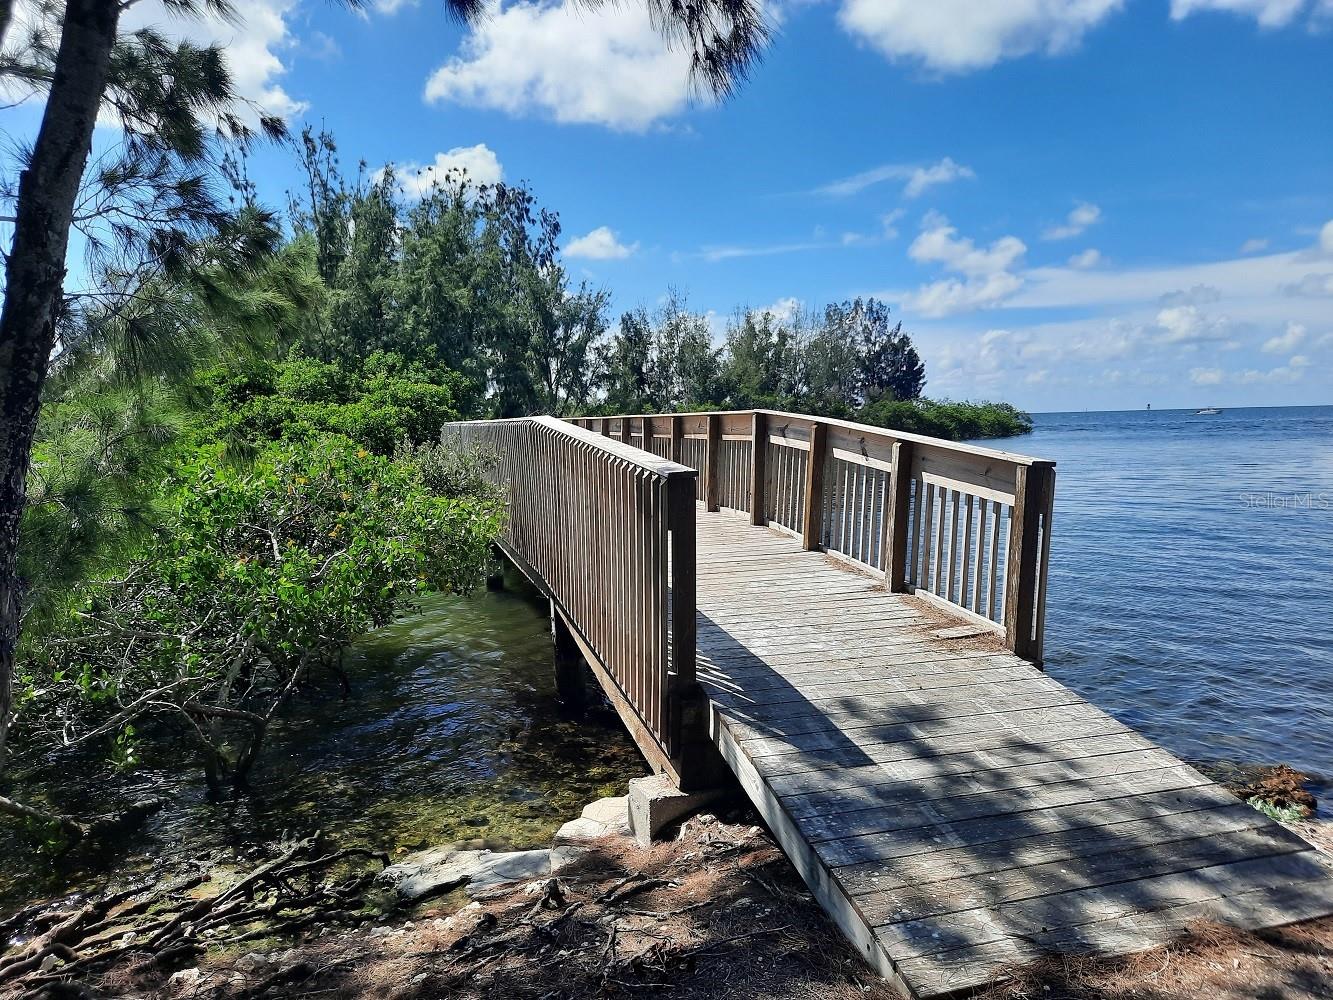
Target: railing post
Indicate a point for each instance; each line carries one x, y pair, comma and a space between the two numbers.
758, 473
624, 430
897, 509
813, 512
677, 436
692, 753
1020, 574
711, 464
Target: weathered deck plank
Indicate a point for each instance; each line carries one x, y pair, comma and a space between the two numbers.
952, 807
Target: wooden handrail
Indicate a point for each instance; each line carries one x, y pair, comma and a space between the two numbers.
607, 531
959, 525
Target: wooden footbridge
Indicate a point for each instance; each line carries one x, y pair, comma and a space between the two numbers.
851, 619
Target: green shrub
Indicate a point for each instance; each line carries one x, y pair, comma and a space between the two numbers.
945, 419
255, 578
376, 404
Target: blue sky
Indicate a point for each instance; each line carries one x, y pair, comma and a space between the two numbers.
1070, 203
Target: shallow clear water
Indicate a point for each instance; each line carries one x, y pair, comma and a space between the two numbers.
1191, 577
452, 732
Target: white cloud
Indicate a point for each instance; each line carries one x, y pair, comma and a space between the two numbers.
987, 275
917, 179
783, 309
1207, 376
889, 223
1191, 325
940, 243
1254, 245
1090, 257
1286, 341
253, 44
479, 163
1326, 237
600, 244
1080, 217
1269, 13
391, 7
717, 253
960, 35
605, 66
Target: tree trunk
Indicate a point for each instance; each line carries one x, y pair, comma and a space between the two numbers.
34, 276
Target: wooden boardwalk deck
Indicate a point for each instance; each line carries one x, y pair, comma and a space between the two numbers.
951, 806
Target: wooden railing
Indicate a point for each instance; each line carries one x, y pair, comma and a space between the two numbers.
608, 533
965, 527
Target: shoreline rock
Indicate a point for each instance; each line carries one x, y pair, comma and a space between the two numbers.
480, 872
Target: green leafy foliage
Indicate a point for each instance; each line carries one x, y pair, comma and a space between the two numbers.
945, 419
256, 578
377, 404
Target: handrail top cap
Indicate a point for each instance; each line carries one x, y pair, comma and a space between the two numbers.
645, 460
981, 451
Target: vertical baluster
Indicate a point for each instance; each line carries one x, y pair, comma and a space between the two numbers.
967, 553
942, 502
996, 513
983, 508
928, 540
953, 546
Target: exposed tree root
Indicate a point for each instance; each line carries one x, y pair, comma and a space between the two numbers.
53, 945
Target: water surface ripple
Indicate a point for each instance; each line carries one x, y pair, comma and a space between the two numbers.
1190, 576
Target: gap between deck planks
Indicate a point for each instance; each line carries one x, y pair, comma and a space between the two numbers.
953, 808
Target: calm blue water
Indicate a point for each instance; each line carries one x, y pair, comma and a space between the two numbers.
1191, 577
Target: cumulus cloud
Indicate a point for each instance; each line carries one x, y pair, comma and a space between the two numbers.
916, 179
478, 164
955, 36
1326, 237
600, 244
1080, 217
253, 45
783, 309
1256, 244
1191, 325
604, 66
1285, 341
1089, 258
1207, 376
987, 273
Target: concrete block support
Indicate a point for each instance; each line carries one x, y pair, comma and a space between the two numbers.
655, 803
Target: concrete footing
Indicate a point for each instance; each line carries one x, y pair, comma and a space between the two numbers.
655, 803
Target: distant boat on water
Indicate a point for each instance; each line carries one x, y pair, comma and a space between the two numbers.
1207, 411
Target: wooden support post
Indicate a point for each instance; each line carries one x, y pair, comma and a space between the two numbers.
688, 743
897, 508
812, 519
624, 430
1020, 574
712, 465
758, 469
495, 573
570, 674
677, 436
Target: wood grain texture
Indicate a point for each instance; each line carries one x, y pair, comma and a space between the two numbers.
952, 807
